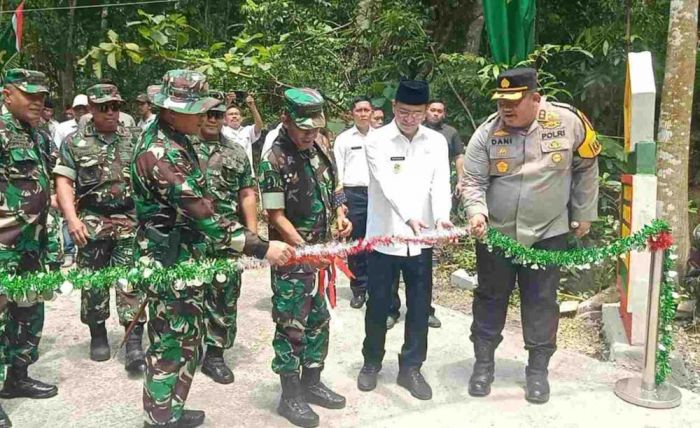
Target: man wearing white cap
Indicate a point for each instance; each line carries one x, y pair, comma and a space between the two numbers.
64, 129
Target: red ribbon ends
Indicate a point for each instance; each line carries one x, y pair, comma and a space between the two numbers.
660, 242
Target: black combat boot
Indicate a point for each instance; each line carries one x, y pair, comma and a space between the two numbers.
19, 384
215, 367
189, 419
134, 362
99, 346
315, 392
292, 404
482, 374
4, 419
537, 388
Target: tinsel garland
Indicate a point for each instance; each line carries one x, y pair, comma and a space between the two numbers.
41, 286
667, 311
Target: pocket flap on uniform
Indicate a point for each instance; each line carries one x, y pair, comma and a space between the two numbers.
23, 154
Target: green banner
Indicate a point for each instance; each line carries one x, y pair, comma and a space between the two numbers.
510, 25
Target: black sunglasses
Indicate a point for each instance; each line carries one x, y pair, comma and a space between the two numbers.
104, 108
215, 114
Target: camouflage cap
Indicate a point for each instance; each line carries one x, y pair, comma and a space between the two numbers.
185, 91
305, 107
29, 81
103, 93
219, 95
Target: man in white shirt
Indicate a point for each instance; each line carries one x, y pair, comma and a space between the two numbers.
270, 138
64, 129
377, 117
351, 162
409, 192
243, 135
144, 109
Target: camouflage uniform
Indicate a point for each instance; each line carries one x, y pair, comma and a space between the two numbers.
227, 170
304, 185
99, 165
25, 192
54, 225
176, 223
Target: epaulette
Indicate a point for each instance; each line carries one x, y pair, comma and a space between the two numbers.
590, 147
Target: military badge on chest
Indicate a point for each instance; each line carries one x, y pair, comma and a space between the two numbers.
502, 167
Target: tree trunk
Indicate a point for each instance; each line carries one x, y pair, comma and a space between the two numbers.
364, 15
674, 121
67, 79
476, 28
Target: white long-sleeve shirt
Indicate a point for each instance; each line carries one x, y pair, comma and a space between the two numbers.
350, 159
270, 138
407, 180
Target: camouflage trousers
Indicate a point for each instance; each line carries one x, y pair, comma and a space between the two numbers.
94, 302
54, 244
175, 328
220, 310
301, 318
21, 323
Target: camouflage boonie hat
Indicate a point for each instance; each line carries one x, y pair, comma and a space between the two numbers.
219, 95
305, 107
185, 91
103, 93
29, 81
151, 92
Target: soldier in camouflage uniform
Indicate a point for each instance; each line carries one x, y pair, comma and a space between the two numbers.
231, 187
101, 215
176, 223
302, 196
25, 193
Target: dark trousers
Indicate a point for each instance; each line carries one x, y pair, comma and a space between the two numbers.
357, 214
395, 311
538, 296
383, 270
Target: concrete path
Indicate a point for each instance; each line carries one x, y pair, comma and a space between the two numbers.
100, 394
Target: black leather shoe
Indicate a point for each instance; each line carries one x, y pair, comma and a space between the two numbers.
134, 361
293, 406
99, 345
411, 379
215, 367
537, 386
4, 419
19, 384
190, 419
367, 379
434, 322
390, 322
315, 392
357, 301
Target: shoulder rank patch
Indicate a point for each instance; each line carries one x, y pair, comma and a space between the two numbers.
590, 147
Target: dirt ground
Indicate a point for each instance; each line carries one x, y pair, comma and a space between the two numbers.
574, 334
